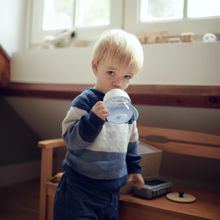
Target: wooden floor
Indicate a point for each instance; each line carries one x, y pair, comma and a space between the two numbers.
20, 201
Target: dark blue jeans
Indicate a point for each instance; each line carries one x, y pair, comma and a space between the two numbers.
74, 200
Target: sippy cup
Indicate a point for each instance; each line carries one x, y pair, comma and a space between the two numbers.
119, 106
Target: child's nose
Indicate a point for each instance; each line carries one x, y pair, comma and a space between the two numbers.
117, 82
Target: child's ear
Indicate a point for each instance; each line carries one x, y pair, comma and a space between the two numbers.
94, 67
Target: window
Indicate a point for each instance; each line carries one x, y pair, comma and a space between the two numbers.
204, 8
89, 18
159, 10
93, 13
58, 14
173, 16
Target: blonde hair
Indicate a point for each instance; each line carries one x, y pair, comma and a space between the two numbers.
121, 48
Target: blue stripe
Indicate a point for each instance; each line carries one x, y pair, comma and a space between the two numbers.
133, 149
97, 165
87, 99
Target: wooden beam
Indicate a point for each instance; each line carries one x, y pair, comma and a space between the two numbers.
162, 95
4, 68
173, 95
52, 91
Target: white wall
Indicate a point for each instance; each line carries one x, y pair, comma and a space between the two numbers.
12, 25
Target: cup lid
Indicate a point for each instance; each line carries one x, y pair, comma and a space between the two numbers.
120, 93
115, 93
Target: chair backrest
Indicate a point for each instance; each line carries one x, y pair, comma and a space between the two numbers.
182, 142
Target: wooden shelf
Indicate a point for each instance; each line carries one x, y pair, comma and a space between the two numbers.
162, 95
206, 206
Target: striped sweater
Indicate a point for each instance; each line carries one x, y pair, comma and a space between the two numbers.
98, 152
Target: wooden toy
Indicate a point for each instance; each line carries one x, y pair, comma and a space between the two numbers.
187, 37
181, 197
162, 38
174, 40
152, 37
142, 38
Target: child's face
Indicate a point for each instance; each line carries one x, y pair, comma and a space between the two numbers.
109, 77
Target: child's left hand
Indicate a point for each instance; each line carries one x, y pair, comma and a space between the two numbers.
137, 180
100, 110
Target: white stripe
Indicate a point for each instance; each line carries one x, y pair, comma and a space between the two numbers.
114, 138
74, 114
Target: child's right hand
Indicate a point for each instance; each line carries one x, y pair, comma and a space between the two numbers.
100, 110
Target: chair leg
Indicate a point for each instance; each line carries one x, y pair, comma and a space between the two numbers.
46, 173
50, 207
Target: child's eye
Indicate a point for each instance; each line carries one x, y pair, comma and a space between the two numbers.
111, 73
127, 77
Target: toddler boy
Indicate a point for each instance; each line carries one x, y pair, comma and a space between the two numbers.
100, 154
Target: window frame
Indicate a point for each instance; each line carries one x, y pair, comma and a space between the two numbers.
124, 14
133, 25
82, 33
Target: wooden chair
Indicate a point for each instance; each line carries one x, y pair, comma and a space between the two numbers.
131, 207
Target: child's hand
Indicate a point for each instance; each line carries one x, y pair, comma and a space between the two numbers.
137, 180
100, 110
